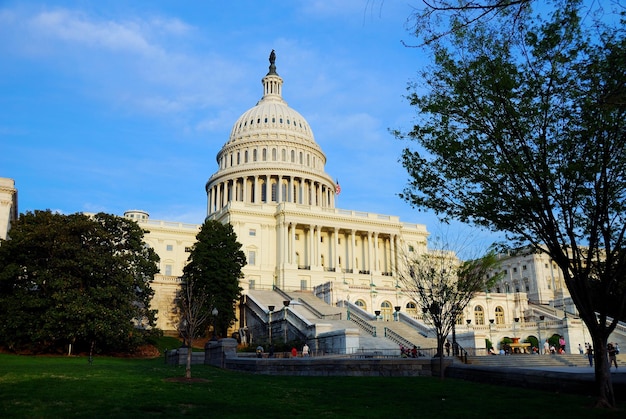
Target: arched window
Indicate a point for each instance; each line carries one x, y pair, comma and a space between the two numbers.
293, 156
283, 155
411, 308
245, 156
273, 154
479, 316
254, 156
264, 155
238, 158
499, 315
361, 304
386, 311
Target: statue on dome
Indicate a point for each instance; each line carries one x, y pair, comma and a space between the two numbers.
272, 57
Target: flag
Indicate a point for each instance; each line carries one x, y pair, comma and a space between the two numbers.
337, 188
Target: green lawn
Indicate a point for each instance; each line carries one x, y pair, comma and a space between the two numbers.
60, 387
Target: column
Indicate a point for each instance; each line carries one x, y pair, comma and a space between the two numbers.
375, 252
257, 191
352, 255
392, 245
246, 198
369, 253
336, 248
311, 245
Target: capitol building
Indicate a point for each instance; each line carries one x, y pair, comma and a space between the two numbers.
329, 276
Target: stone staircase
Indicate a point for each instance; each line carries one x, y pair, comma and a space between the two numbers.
529, 361
316, 310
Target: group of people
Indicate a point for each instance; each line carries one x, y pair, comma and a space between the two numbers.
611, 349
294, 352
410, 353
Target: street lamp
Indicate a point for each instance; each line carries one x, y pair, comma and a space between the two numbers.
215, 312
490, 327
285, 305
270, 308
377, 312
397, 313
539, 330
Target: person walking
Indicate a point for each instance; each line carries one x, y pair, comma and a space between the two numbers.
546, 347
294, 352
580, 349
305, 350
590, 355
259, 351
612, 359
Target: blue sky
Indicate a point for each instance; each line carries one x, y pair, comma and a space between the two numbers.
116, 105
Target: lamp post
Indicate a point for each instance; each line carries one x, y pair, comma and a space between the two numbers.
454, 345
215, 312
285, 305
270, 309
539, 331
490, 327
397, 313
377, 313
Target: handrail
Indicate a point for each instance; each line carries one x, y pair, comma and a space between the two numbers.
363, 324
400, 340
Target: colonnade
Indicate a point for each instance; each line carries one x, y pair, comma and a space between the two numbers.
336, 249
282, 188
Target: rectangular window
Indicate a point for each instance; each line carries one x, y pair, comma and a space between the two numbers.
514, 269
251, 257
252, 232
168, 270
251, 284
169, 247
524, 267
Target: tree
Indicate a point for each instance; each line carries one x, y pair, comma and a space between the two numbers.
193, 316
442, 286
525, 133
214, 269
430, 25
75, 281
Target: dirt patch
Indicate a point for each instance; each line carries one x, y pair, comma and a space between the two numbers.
186, 380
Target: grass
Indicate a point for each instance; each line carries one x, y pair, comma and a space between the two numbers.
54, 387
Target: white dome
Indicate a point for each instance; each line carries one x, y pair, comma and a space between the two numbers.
270, 157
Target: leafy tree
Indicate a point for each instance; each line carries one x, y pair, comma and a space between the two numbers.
443, 286
214, 270
75, 280
525, 133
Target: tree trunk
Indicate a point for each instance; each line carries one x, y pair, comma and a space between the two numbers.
440, 340
604, 382
189, 353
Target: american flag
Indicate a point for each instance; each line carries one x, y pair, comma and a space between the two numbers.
337, 188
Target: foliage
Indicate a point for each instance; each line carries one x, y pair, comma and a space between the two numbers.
75, 280
213, 272
524, 132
